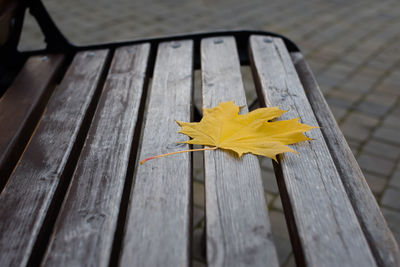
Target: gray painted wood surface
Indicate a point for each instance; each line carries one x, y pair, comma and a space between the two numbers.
381, 240
85, 228
323, 218
24, 102
27, 198
237, 223
158, 226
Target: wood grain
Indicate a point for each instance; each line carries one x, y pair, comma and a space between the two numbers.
30, 194
158, 227
21, 107
323, 220
8, 10
237, 223
85, 228
380, 239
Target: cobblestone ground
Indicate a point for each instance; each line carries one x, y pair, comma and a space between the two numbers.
352, 47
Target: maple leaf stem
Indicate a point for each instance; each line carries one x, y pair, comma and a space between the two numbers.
178, 152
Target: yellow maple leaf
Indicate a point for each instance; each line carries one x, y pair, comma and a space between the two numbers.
223, 127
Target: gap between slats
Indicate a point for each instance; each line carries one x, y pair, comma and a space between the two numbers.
199, 242
235, 198
129, 180
153, 189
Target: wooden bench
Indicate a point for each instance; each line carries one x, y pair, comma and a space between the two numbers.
76, 121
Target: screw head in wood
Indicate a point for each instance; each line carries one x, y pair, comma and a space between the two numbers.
267, 40
175, 45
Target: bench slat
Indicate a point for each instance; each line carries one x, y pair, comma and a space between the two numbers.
24, 102
238, 229
322, 220
86, 225
158, 228
380, 238
32, 191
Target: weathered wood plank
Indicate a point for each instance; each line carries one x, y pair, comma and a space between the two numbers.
21, 107
380, 239
32, 191
158, 227
324, 222
8, 10
237, 223
85, 228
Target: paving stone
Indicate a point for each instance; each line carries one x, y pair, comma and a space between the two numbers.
329, 79
375, 164
360, 83
266, 163
395, 179
198, 194
392, 121
354, 145
372, 108
316, 65
382, 149
198, 101
384, 99
375, 182
391, 198
278, 203
339, 67
248, 82
280, 235
396, 110
269, 182
278, 224
388, 134
394, 76
283, 248
338, 102
198, 216
198, 264
393, 219
356, 129
368, 70
291, 262
198, 245
355, 150
362, 119
346, 95
269, 198
268, 175
31, 37
198, 167
338, 112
